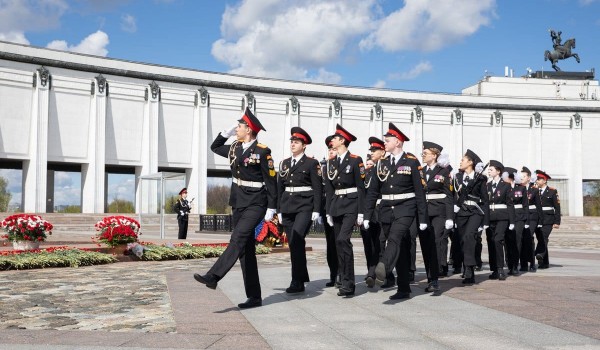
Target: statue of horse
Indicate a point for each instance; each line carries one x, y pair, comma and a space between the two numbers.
560, 53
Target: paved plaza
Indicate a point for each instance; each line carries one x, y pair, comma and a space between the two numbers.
158, 305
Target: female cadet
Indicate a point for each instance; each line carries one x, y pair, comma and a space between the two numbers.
182, 208
514, 237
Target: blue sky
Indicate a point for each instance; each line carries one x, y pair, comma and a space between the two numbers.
420, 45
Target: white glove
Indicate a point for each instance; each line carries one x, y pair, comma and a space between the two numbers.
485, 227
422, 227
320, 220
449, 224
366, 224
330, 220
181, 213
539, 226
456, 208
229, 132
314, 216
511, 227
526, 226
280, 217
359, 219
269, 214
480, 229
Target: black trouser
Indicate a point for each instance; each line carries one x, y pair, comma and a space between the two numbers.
397, 250
456, 253
478, 248
428, 250
372, 246
183, 226
528, 248
242, 246
467, 227
514, 241
495, 241
441, 240
383, 241
543, 236
343, 225
296, 227
332, 257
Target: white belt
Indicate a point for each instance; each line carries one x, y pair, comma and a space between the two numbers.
346, 191
548, 208
519, 206
498, 206
435, 196
393, 197
378, 201
471, 203
247, 183
298, 189
532, 206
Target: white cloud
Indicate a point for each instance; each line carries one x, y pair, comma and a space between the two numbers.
428, 25
20, 16
14, 37
380, 84
420, 68
67, 188
586, 2
93, 44
290, 39
128, 23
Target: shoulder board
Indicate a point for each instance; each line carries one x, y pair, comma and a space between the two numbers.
353, 155
551, 188
410, 156
260, 145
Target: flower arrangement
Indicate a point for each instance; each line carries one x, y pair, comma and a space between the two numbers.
26, 227
267, 233
117, 230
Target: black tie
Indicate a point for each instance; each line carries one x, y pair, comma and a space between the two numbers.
393, 162
293, 163
541, 191
339, 160
467, 179
494, 186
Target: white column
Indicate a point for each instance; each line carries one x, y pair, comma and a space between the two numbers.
415, 144
335, 116
575, 168
455, 148
35, 169
535, 142
149, 151
92, 173
376, 125
495, 150
292, 118
197, 176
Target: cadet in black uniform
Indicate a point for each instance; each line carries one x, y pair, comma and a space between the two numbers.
182, 208
471, 209
332, 257
549, 220
535, 213
398, 184
502, 217
440, 205
345, 203
253, 197
514, 238
299, 189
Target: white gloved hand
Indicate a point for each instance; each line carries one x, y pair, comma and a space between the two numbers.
511, 227
330, 220
485, 227
526, 226
366, 224
359, 219
456, 208
539, 226
422, 227
229, 132
280, 217
315, 216
181, 213
480, 229
320, 220
269, 214
449, 224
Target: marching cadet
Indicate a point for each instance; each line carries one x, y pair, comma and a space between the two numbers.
332, 256
471, 208
299, 189
514, 238
345, 203
182, 207
502, 217
549, 220
398, 184
372, 235
253, 198
440, 205
535, 213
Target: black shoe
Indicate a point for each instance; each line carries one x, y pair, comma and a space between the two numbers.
501, 274
433, 286
510, 271
380, 273
337, 284
544, 266
330, 284
456, 271
411, 276
515, 272
478, 268
494, 275
251, 302
370, 281
400, 295
207, 279
540, 259
533, 268
295, 287
388, 284
523, 268
345, 292
469, 275
470, 280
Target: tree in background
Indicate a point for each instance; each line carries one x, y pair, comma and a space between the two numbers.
121, 206
5, 196
591, 202
217, 198
169, 203
69, 209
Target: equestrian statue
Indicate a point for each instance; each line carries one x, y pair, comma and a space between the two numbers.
561, 51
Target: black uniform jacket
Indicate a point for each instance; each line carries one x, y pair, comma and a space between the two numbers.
404, 178
549, 200
475, 191
518, 194
500, 196
256, 165
306, 173
181, 206
349, 173
533, 196
439, 182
